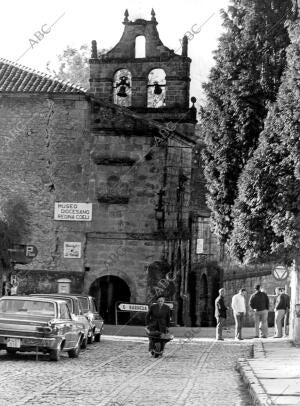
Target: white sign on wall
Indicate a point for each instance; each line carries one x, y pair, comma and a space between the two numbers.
200, 246
72, 249
73, 211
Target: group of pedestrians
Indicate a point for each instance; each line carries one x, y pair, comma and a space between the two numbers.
259, 303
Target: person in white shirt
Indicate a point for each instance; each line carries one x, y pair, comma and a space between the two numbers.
238, 305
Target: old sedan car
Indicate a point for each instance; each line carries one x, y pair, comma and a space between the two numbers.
77, 310
39, 325
90, 310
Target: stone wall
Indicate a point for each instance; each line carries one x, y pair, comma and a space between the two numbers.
248, 278
44, 158
56, 151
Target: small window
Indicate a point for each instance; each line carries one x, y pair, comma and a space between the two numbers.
122, 88
140, 47
156, 96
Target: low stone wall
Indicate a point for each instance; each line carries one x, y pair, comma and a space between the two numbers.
248, 279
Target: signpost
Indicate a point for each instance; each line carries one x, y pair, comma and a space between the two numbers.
130, 307
135, 307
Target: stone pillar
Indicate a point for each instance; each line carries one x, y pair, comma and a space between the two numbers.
294, 332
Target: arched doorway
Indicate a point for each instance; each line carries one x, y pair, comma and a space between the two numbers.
109, 290
204, 301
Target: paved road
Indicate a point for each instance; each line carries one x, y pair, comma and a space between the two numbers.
121, 373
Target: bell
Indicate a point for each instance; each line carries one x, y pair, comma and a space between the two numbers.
157, 89
122, 91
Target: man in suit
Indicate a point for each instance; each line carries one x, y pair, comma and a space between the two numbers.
220, 314
158, 319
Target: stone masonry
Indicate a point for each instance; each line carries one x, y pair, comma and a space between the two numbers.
65, 144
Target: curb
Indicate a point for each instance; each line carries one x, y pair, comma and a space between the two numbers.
256, 390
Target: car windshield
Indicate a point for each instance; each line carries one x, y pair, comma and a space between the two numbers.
33, 307
84, 301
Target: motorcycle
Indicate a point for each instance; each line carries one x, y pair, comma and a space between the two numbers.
157, 342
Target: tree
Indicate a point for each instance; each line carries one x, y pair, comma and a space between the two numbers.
268, 205
73, 65
250, 60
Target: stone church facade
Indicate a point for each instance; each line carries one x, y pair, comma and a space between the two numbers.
99, 180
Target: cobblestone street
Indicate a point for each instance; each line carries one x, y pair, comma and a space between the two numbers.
121, 373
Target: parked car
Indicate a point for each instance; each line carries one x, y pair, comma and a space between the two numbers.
77, 310
38, 324
90, 310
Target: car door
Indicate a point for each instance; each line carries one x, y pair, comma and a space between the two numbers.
82, 320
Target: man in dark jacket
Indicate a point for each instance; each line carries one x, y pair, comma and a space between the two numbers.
259, 302
220, 314
287, 312
281, 307
158, 319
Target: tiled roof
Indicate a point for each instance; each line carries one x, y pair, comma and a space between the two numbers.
15, 78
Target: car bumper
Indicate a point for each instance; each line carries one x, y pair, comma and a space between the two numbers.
30, 342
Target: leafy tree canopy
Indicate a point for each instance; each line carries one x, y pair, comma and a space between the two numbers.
73, 65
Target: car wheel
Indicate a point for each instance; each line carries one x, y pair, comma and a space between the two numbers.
11, 351
84, 343
98, 338
74, 353
55, 354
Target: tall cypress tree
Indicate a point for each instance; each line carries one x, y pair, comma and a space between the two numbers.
250, 60
267, 209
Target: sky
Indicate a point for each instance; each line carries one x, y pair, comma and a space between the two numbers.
33, 32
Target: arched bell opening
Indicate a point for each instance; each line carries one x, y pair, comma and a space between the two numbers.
156, 94
122, 88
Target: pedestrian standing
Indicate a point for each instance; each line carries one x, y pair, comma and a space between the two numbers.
220, 314
287, 313
259, 302
238, 305
281, 307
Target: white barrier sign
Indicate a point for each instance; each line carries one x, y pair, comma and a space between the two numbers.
72, 249
73, 211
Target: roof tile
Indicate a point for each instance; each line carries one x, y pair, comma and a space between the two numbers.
17, 78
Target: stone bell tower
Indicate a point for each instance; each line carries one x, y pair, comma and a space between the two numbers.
141, 164
141, 73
